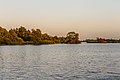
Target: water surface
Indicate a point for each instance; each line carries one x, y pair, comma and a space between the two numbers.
60, 62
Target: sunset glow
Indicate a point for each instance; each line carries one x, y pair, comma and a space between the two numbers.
90, 18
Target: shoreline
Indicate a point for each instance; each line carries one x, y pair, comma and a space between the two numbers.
54, 44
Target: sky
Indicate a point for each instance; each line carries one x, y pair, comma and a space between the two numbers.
89, 18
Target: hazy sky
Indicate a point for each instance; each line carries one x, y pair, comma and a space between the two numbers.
90, 18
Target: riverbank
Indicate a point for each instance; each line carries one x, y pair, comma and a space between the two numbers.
22, 36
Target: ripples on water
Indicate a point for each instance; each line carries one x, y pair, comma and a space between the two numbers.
60, 62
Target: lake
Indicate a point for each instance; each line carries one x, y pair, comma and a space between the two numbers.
60, 62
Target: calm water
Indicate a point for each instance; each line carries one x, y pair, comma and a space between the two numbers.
60, 62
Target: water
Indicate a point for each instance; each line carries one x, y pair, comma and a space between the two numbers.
60, 62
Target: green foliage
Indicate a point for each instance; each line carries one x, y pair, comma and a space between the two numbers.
23, 33
19, 36
72, 38
14, 38
36, 36
9, 38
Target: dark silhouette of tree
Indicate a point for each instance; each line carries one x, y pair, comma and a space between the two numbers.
102, 40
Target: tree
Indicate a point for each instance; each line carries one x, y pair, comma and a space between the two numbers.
36, 36
14, 38
72, 38
4, 36
18, 36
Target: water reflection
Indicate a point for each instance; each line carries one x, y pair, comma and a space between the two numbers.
60, 62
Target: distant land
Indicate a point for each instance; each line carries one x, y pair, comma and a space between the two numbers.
102, 40
23, 36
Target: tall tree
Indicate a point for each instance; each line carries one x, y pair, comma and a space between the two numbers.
36, 36
14, 38
72, 38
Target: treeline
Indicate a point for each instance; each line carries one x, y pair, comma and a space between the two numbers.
102, 40
21, 36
